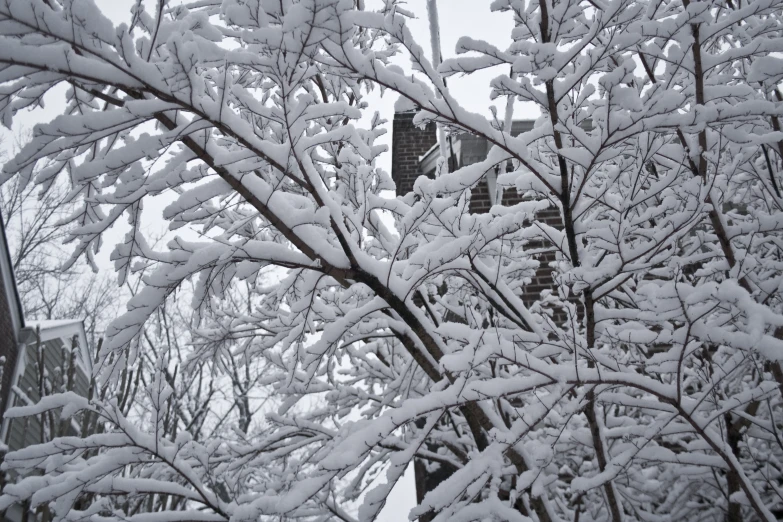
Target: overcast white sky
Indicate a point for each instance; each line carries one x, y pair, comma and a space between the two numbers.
457, 18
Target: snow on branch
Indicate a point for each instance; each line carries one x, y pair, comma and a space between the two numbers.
605, 345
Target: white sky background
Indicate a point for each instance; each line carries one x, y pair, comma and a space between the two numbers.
457, 18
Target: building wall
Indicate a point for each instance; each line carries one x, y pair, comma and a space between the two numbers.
26, 431
11, 319
8, 345
408, 144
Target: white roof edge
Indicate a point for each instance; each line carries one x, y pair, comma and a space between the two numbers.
63, 329
46, 324
430, 151
55, 329
428, 161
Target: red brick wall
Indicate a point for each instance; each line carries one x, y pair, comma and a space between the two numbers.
408, 144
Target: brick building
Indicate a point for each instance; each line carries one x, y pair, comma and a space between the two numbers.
415, 152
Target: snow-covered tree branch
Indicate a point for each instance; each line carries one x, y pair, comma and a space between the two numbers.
645, 385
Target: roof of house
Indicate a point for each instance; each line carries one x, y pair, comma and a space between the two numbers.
63, 329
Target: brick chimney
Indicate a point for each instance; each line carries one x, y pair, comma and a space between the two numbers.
409, 142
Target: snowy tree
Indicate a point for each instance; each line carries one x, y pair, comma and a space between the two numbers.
32, 217
646, 385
